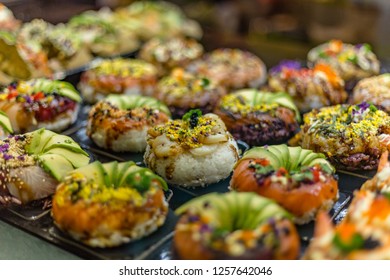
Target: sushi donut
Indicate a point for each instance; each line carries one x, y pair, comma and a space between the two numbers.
182, 91
232, 68
309, 88
375, 90
234, 226
120, 123
118, 76
32, 164
193, 151
353, 137
151, 19
127, 199
299, 180
364, 234
5, 125
40, 103
351, 62
167, 54
259, 118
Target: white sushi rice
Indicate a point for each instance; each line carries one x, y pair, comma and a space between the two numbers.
133, 140
189, 170
311, 215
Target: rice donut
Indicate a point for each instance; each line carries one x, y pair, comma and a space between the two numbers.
118, 76
169, 53
299, 180
120, 123
5, 125
353, 137
309, 88
128, 199
31, 164
364, 234
234, 226
351, 62
232, 68
182, 91
194, 151
259, 118
39, 103
375, 90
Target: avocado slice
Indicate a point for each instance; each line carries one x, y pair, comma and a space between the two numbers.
243, 203
224, 210
122, 169
116, 101
272, 210
295, 153
285, 151
38, 140
57, 165
285, 100
310, 157
260, 152
304, 153
5, 122
64, 142
131, 168
258, 203
60, 87
93, 171
322, 161
76, 159
111, 169
231, 201
277, 153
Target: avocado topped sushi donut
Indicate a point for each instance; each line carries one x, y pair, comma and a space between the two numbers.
106, 205
167, 54
351, 62
31, 164
299, 180
375, 90
258, 117
352, 137
194, 151
232, 68
182, 91
120, 123
5, 125
309, 88
118, 76
234, 226
40, 103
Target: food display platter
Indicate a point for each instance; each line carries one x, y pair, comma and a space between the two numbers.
37, 221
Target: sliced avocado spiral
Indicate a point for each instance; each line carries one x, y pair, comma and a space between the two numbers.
290, 158
253, 97
57, 153
234, 210
60, 87
129, 102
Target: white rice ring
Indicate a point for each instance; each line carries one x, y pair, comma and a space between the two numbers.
189, 170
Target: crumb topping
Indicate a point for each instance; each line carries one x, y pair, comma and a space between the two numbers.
125, 68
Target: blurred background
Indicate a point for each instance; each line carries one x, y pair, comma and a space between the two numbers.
273, 29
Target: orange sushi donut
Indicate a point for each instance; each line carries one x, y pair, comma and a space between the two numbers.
299, 180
